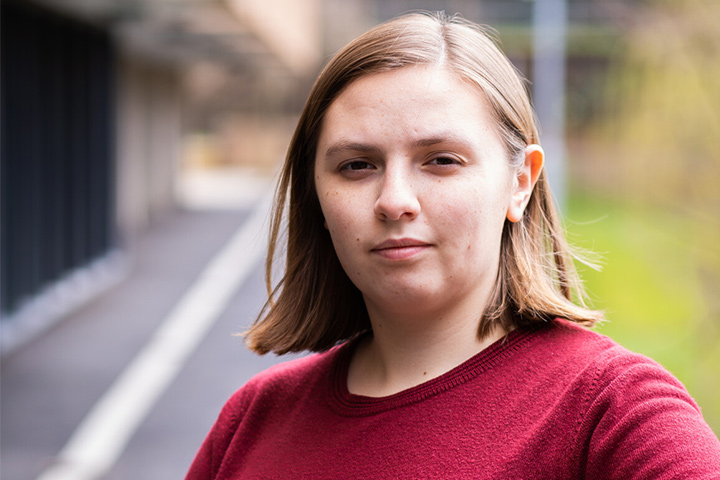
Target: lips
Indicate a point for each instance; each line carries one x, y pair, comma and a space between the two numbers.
401, 248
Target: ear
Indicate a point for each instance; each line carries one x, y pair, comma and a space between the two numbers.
525, 181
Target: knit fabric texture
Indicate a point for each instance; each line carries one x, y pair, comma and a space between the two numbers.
554, 402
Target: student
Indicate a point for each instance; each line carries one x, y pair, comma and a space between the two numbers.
427, 265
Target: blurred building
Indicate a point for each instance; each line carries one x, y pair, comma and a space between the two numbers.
97, 97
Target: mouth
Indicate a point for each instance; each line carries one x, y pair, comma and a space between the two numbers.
401, 248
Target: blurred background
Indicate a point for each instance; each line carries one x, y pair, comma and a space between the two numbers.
142, 131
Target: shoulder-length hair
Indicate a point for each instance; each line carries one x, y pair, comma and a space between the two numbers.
315, 305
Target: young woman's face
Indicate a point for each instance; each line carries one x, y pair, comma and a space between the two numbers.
415, 186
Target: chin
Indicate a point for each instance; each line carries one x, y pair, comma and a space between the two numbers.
404, 298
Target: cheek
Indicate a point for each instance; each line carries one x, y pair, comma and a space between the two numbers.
341, 219
474, 220
328, 199
337, 217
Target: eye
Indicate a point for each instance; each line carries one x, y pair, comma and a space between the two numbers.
356, 165
356, 169
445, 160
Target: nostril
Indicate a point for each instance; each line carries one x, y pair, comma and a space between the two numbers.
397, 197
397, 208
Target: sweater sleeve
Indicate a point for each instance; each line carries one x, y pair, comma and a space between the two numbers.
642, 424
209, 457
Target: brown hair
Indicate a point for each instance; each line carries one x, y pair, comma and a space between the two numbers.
317, 305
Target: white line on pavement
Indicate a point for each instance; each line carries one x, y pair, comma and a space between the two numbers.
103, 434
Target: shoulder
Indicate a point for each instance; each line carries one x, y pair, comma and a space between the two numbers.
284, 380
262, 400
609, 372
593, 353
607, 364
576, 340
569, 351
635, 416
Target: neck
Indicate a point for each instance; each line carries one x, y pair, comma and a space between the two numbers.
407, 349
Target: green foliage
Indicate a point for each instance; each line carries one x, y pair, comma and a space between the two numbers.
654, 155
654, 290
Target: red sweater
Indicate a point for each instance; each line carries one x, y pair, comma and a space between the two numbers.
558, 402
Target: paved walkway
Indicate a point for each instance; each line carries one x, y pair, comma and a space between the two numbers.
50, 385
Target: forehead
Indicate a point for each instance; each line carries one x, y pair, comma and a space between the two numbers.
427, 84
410, 102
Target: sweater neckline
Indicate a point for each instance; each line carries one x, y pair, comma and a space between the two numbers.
349, 404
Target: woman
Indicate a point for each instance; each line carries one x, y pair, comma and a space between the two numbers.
425, 261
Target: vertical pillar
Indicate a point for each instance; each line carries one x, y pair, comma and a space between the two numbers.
548, 81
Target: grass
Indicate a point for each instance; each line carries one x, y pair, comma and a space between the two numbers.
656, 288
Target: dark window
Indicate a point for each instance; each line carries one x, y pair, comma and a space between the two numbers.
56, 145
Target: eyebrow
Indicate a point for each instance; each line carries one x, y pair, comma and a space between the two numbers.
345, 145
445, 138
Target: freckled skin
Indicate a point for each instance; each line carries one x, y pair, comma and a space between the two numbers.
452, 195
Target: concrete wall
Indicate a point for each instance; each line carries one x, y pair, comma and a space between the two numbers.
148, 143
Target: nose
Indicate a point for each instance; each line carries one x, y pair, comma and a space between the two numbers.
397, 198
